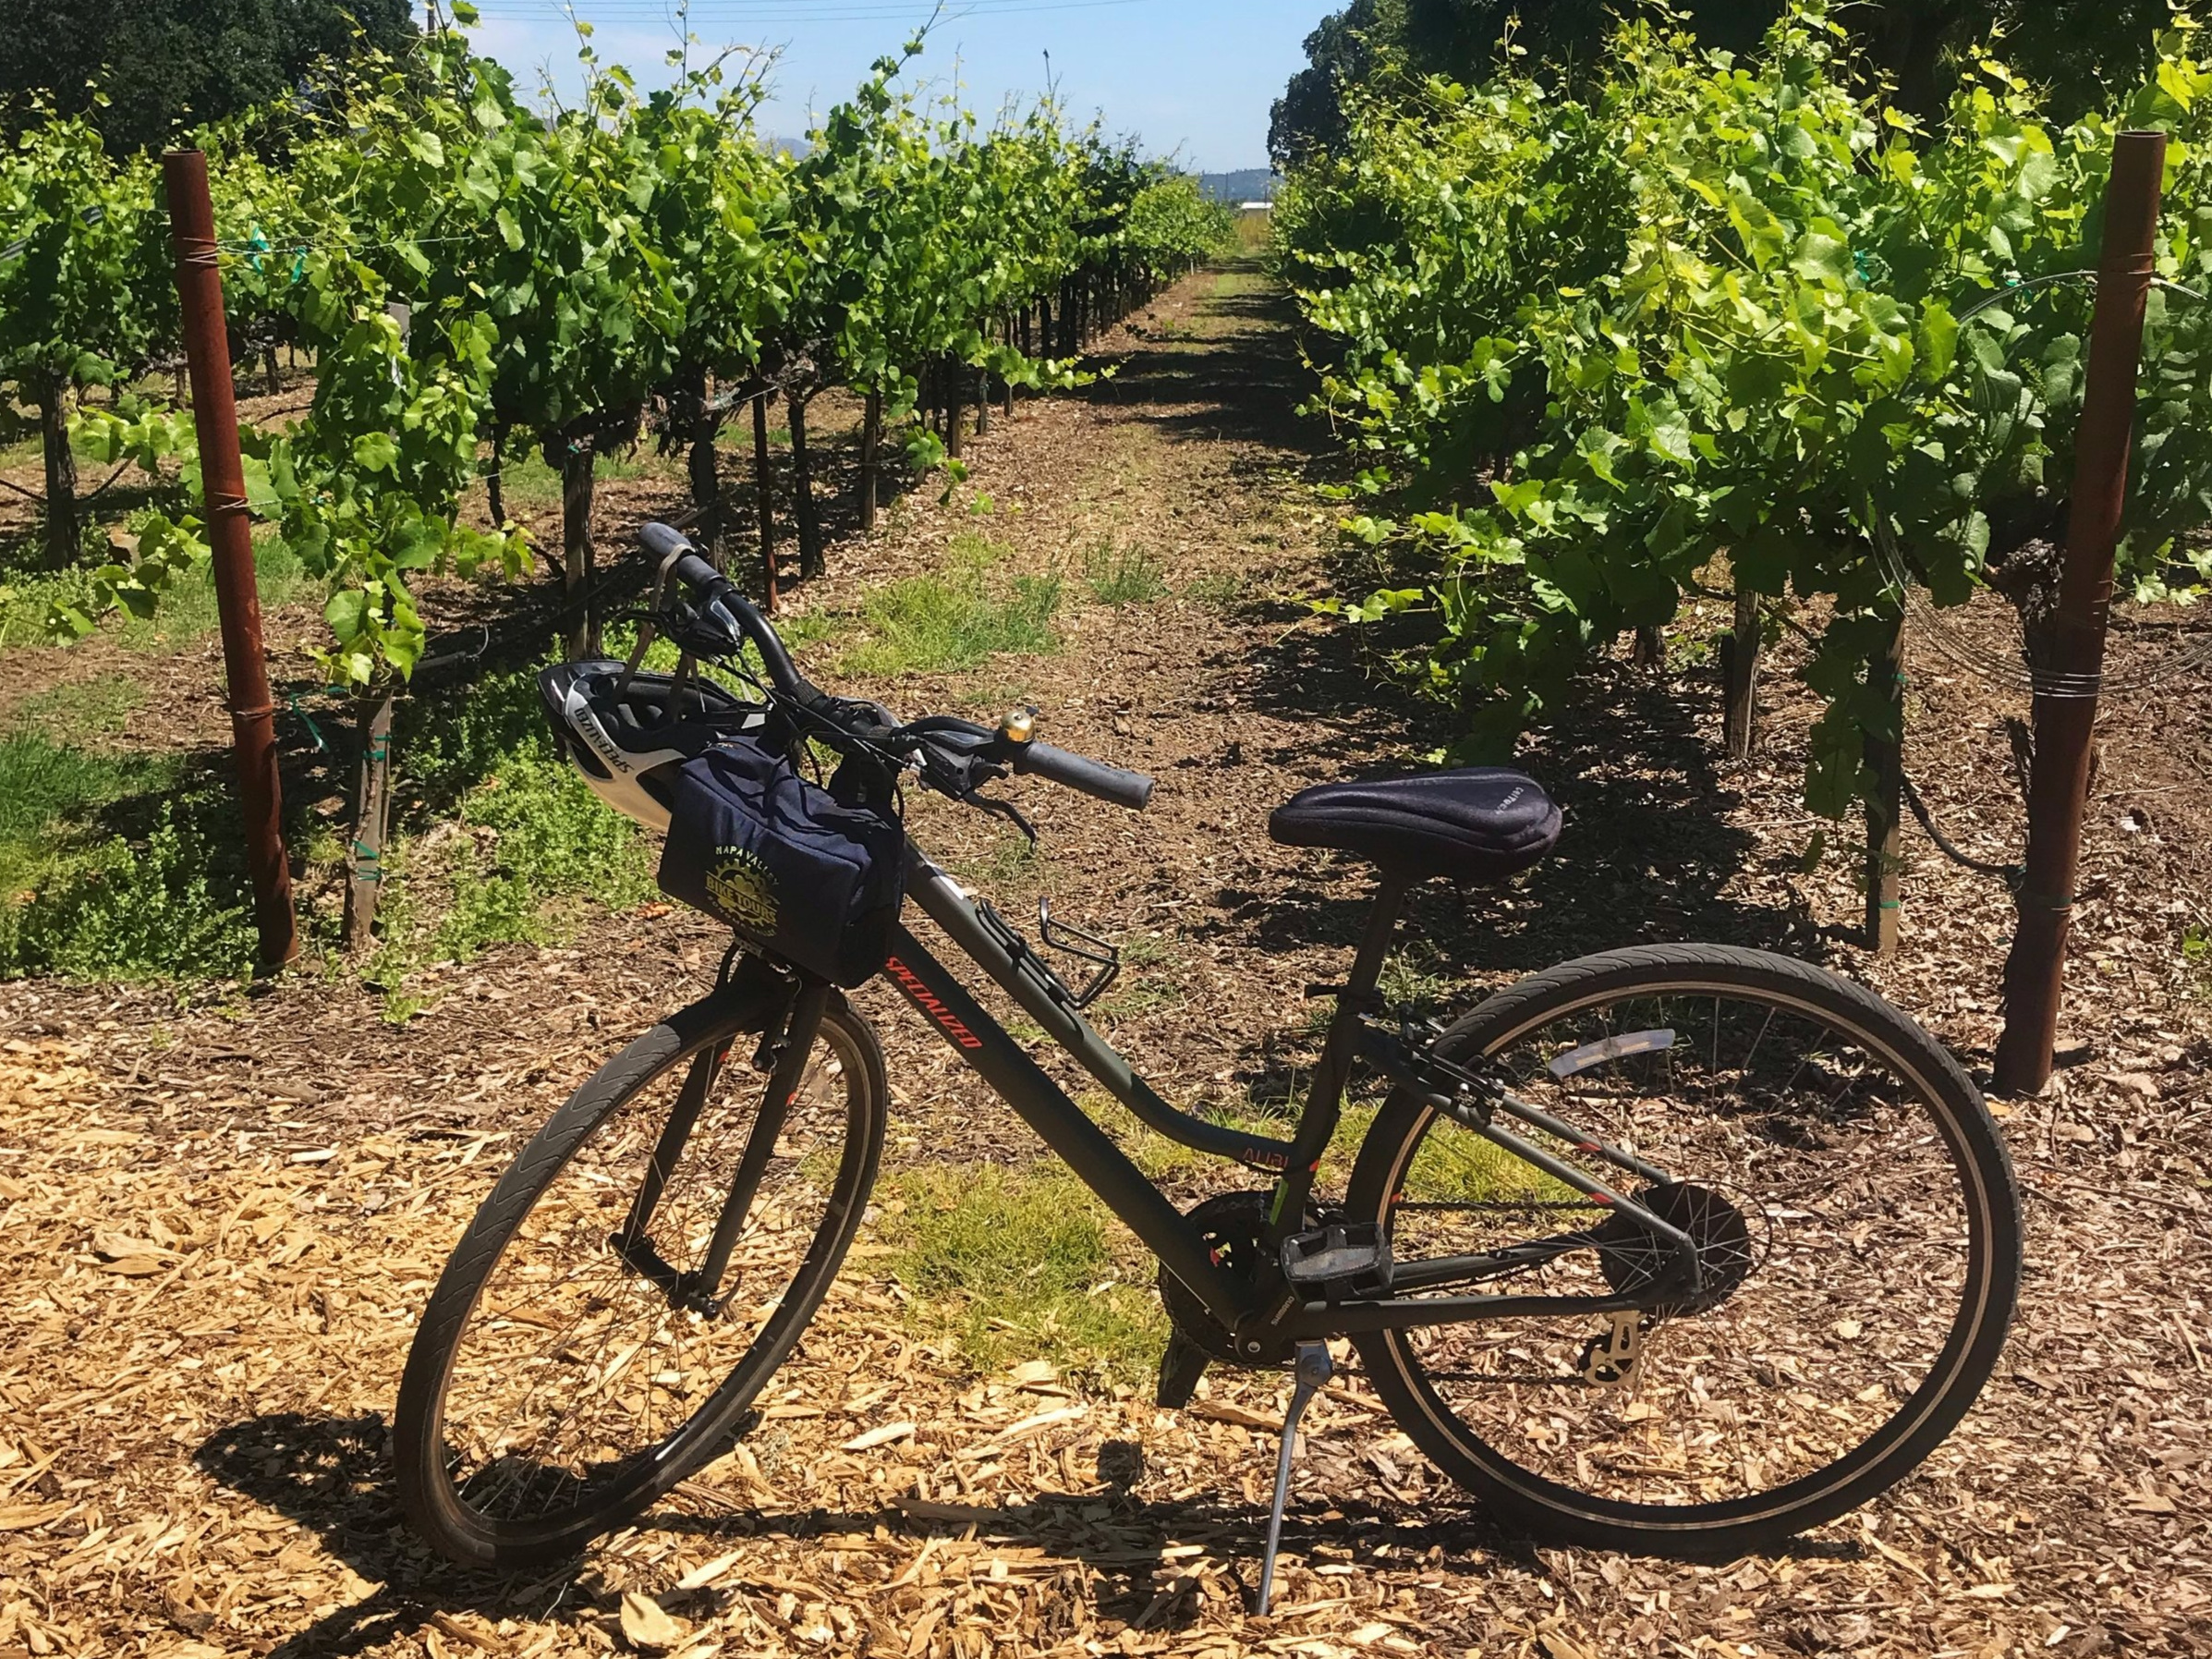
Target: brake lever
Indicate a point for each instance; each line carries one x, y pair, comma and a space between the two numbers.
1002, 808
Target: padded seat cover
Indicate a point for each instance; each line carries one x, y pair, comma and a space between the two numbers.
1480, 823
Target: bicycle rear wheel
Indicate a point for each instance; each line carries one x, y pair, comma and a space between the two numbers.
567, 1372
1858, 1230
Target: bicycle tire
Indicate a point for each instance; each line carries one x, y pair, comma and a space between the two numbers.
427, 1486
1555, 1511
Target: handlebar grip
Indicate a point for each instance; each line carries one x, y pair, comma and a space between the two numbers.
1130, 789
661, 540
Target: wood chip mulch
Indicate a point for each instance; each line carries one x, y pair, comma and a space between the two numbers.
219, 1219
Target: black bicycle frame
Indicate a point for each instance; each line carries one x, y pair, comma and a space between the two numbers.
1265, 1315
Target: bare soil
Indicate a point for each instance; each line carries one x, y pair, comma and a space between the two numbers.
221, 1217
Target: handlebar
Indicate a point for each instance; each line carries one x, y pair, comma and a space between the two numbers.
719, 598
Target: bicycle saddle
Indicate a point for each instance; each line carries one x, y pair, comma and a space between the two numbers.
1480, 823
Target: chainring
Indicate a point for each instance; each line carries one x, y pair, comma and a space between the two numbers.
1633, 1259
1233, 1226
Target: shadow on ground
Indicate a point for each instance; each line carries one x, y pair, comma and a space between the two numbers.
332, 1475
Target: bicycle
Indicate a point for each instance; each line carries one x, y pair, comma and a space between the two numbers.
1679, 1250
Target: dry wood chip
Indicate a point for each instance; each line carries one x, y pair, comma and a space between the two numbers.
878, 1436
699, 1576
647, 1626
1042, 1420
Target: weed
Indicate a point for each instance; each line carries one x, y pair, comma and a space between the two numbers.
1135, 997
1018, 1263
1119, 576
1687, 650
1217, 589
1146, 950
1409, 985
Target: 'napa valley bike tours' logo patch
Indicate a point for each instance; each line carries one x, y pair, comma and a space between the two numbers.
740, 886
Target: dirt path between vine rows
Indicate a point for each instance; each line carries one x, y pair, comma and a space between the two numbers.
220, 1221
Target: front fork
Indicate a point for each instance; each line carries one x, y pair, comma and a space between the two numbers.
699, 1289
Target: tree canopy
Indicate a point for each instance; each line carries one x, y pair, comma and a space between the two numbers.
2076, 50
163, 65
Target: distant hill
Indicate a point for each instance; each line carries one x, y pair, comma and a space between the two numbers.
1248, 184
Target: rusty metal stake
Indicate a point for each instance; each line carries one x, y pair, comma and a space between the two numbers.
2065, 723
237, 600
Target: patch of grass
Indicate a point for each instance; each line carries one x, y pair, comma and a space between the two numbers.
187, 611
98, 707
117, 866
528, 486
1119, 576
959, 617
1456, 1166
1014, 1265
185, 616
126, 866
1012, 866
500, 841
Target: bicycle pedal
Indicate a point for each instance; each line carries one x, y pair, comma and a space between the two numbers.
1180, 1366
1313, 1368
1334, 1256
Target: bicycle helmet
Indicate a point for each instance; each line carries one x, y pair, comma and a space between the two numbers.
627, 741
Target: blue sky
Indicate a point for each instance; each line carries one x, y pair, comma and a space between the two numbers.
1193, 75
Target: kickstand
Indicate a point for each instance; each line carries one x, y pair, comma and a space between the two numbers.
1313, 1368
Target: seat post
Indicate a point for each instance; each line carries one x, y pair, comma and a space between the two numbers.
1325, 1100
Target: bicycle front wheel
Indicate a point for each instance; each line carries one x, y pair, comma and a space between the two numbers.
571, 1366
1856, 1227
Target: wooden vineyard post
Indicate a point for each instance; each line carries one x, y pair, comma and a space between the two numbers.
373, 813
1742, 663
494, 481
63, 533
1885, 800
802, 490
950, 379
872, 439
982, 403
768, 506
2065, 702
701, 467
575, 548
238, 600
